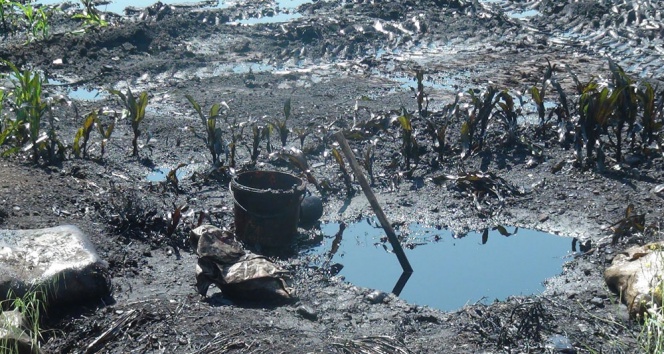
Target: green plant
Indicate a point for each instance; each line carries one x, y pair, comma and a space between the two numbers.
368, 160
280, 124
406, 136
135, 111
84, 133
236, 130
214, 140
651, 337
507, 115
596, 108
652, 117
350, 191
302, 134
5, 6
483, 105
31, 307
29, 108
420, 96
36, 21
105, 134
90, 15
172, 177
626, 104
266, 132
438, 130
255, 141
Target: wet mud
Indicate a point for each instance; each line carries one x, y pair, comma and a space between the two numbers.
343, 64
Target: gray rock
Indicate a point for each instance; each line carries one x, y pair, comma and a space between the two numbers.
634, 273
60, 262
376, 297
560, 344
597, 301
307, 312
311, 209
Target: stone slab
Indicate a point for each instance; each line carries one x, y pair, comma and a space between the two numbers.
59, 261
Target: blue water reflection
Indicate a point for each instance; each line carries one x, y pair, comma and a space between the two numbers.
449, 272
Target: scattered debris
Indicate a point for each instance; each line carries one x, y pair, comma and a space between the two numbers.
372, 345
238, 273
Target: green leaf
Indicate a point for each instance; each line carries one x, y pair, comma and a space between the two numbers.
338, 158
404, 120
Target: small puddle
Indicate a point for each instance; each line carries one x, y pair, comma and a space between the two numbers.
448, 272
80, 93
523, 14
276, 18
118, 6
159, 174
242, 68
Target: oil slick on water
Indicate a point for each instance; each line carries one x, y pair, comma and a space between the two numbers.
449, 272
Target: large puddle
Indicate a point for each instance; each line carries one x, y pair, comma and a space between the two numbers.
118, 6
449, 272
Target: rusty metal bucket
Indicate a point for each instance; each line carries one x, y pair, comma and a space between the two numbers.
267, 207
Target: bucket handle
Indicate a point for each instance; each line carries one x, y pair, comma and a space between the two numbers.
230, 189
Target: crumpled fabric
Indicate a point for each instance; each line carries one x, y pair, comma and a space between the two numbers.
239, 273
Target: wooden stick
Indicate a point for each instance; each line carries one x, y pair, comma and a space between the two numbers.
396, 246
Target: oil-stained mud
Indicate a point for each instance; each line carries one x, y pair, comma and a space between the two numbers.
343, 65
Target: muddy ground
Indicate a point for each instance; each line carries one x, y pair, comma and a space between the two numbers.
332, 57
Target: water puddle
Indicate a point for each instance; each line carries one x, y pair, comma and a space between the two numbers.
523, 14
242, 68
449, 272
160, 174
79, 93
276, 18
118, 7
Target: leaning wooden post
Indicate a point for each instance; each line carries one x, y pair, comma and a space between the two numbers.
396, 246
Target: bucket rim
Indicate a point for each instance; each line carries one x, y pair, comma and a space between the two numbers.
298, 188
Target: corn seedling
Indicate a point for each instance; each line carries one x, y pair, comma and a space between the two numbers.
175, 218
266, 132
298, 159
302, 134
36, 21
214, 140
5, 7
105, 133
29, 108
538, 95
236, 129
255, 141
478, 118
280, 124
596, 108
368, 159
652, 119
350, 191
90, 15
135, 111
626, 104
172, 177
507, 115
84, 133
438, 130
420, 96
406, 136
